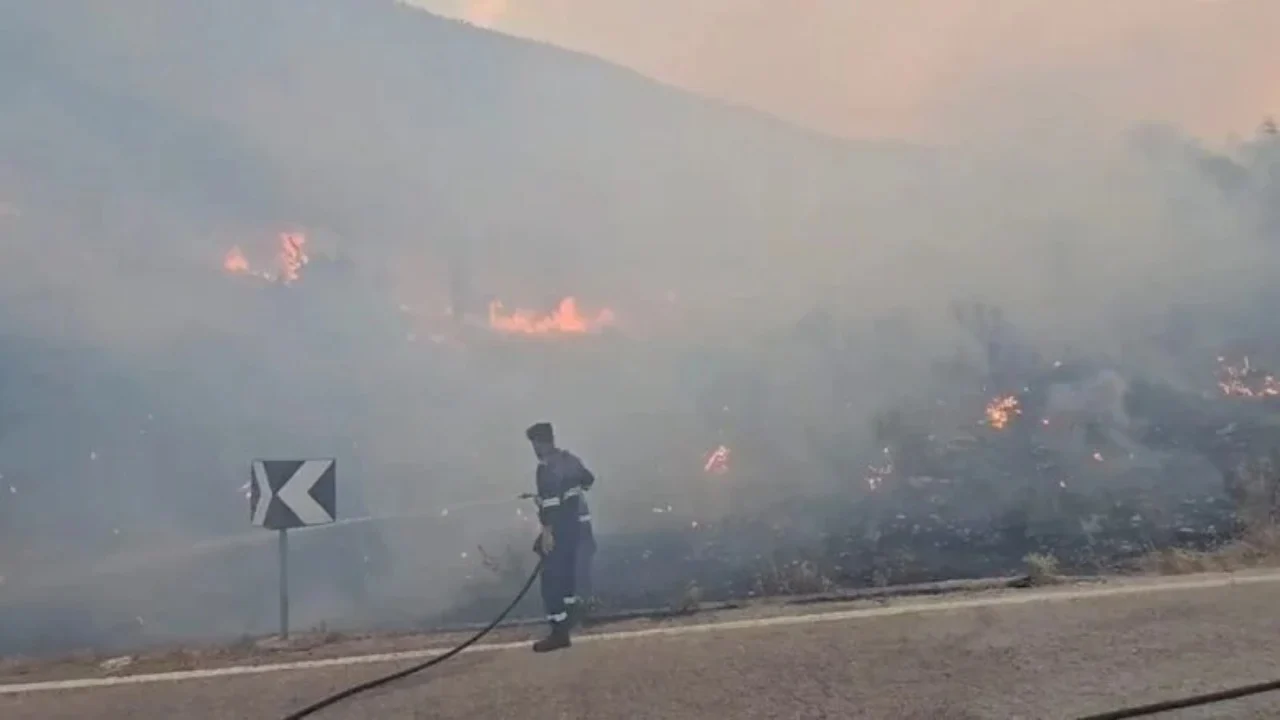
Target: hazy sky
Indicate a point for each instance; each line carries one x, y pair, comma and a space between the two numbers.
917, 67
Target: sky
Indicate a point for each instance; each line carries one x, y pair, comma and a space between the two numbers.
914, 68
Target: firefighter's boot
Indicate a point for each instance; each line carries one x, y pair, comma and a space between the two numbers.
557, 640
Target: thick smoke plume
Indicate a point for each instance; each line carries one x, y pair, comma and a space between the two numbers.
291, 229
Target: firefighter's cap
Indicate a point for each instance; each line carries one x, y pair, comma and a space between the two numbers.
540, 433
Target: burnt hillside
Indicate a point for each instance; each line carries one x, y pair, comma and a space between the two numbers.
410, 136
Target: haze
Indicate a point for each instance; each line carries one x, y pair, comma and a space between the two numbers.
925, 69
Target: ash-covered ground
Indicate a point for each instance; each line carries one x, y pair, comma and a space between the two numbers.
1005, 453
1081, 461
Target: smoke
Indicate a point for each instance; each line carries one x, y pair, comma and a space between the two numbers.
770, 290
1099, 398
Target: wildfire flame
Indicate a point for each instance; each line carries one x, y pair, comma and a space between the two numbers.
1245, 381
290, 259
565, 319
1001, 410
235, 261
717, 462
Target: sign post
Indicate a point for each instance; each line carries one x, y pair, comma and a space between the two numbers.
284, 583
286, 494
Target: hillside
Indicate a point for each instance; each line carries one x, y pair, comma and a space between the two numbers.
411, 137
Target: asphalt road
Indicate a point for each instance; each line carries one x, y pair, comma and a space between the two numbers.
1050, 654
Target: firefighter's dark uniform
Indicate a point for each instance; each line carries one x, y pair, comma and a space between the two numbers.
559, 501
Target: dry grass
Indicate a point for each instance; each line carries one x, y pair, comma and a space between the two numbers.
690, 600
1259, 547
1042, 569
1177, 561
1254, 486
800, 577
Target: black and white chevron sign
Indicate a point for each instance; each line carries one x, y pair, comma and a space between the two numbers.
286, 494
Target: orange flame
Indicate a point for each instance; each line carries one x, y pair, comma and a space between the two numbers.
566, 319
717, 462
290, 259
1000, 411
235, 261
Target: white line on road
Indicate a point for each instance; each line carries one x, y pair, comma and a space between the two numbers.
1023, 598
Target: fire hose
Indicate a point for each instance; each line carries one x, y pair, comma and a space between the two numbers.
379, 682
1139, 711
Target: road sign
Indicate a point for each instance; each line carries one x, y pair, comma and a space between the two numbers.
286, 494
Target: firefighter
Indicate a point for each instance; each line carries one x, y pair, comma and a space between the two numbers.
560, 480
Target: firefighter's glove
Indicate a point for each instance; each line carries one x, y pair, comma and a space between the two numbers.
545, 543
